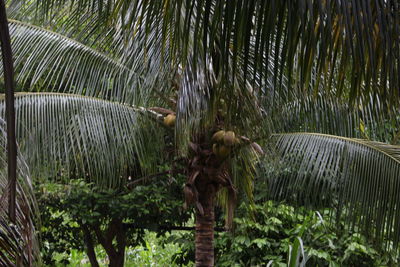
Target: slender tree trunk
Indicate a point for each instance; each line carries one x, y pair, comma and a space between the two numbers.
116, 229
121, 243
116, 261
89, 246
205, 228
118, 258
10, 110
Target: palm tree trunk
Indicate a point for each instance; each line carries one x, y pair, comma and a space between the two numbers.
205, 229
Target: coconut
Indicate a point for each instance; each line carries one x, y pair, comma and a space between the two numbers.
169, 120
229, 138
224, 151
221, 151
215, 149
218, 136
237, 141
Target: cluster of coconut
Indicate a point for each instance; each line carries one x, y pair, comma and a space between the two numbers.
223, 141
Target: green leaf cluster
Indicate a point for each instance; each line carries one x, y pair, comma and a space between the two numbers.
267, 234
277, 227
66, 208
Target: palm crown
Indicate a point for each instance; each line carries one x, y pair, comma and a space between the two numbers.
256, 68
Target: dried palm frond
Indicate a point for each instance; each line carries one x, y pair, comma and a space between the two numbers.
19, 244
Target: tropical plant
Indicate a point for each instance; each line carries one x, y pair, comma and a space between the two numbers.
221, 76
275, 232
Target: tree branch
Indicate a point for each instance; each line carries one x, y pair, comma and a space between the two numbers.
107, 246
89, 246
121, 240
171, 227
133, 183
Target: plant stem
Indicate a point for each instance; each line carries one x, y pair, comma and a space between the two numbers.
89, 246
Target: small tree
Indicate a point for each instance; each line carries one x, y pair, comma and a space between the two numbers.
114, 219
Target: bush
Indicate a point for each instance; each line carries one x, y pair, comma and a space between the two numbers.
266, 234
66, 211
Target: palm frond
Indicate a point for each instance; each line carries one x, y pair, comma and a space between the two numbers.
342, 44
359, 178
66, 136
132, 58
84, 27
18, 242
327, 114
285, 49
45, 58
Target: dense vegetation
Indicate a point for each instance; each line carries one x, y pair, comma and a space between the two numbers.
265, 234
80, 216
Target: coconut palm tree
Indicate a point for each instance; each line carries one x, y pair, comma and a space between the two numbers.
223, 78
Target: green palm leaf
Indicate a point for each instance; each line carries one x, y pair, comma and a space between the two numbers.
331, 115
65, 135
205, 82
49, 59
46, 60
360, 178
352, 46
84, 27
19, 242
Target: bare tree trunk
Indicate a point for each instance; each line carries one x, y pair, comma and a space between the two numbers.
8, 68
118, 259
205, 228
121, 244
115, 230
89, 246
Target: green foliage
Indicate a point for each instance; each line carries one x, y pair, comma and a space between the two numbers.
65, 208
102, 141
278, 230
145, 205
277, 227
153, 253
60, 234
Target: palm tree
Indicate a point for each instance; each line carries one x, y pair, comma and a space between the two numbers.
224, 77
